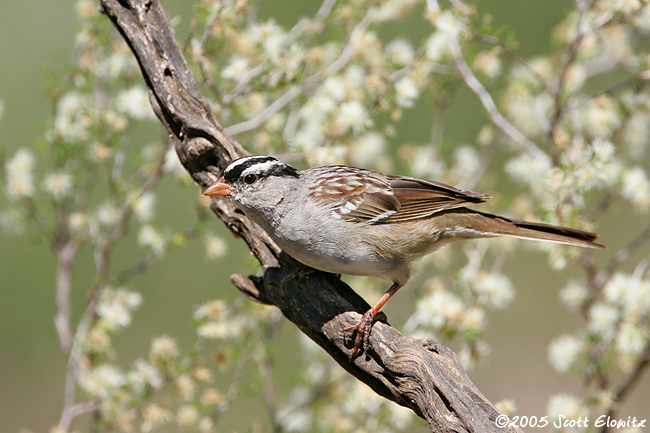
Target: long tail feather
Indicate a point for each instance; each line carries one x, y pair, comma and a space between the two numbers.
542, 232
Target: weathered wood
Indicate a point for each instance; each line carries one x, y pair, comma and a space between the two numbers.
419, 374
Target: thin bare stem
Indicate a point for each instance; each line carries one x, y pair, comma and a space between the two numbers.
74, 411
325, 9
620, 257
629, 383
242, 84
488, 103
65, 258
266, 366
582, 6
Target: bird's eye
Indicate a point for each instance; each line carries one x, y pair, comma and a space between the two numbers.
250, 178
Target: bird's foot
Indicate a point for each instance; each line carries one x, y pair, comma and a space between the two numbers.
303, 269
361, 332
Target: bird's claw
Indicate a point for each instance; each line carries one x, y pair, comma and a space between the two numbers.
361, 332
303, 269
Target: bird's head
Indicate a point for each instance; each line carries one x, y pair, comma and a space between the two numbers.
254, 182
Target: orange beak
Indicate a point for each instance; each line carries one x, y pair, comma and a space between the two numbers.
219, 188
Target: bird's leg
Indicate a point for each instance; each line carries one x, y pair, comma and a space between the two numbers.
363, 328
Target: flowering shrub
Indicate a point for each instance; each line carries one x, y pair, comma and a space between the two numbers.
331, 89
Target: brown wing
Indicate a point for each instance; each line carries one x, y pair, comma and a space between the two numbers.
421, 198
397, 198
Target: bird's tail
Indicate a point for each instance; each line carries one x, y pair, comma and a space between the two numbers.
502, 226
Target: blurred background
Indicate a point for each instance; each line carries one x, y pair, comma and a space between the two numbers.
37, 37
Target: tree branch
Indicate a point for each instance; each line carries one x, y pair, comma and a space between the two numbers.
418, 374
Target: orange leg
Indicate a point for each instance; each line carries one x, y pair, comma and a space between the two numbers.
364, 327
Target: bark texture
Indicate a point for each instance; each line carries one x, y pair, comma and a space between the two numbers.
419, 374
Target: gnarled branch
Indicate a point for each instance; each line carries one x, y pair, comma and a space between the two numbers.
419, 374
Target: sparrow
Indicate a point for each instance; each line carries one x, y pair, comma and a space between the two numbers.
348, 220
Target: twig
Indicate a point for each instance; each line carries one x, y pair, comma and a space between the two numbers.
623, 254
72, 367
266, 114
65, 257
242, 84
325, 9
484, 96
488, 103
294, 91
266, 366
628, 384
581, 6
603, 205
510, 54
73, 411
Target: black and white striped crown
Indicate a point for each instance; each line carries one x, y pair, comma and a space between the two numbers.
261, 166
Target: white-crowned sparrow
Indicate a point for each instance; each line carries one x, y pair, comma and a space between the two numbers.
348, 220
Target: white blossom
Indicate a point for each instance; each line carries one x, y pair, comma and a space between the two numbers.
103, 381
185, 387
352, 115
77, 222
406, 92
134, 102
164, 347
236, 69
636, 188
567, 406
488, 63
144, 374
602, 319
114, 314
152, 238
631, 339
116, 64
439, 308
467, 162
213, 330
400, 52
636, 134
211, 310
115, 306
574, 294
473, 319
600, 116
495, 290
626, 6
449, 24
529, 168
173, 165
58, 184
326, 155
563, 352
108, 214
23, 161
72, 120
155, 416
215, 246
20, 178
187, 415
437, 47
143, 206
426, 163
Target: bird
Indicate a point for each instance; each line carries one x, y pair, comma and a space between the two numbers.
355, 221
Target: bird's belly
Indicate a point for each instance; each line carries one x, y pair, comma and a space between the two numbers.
320, 251
337, 259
